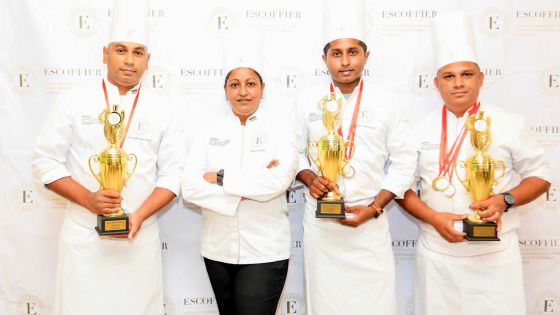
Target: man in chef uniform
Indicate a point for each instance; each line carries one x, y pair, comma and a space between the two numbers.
349, 266
455, 276
112, 275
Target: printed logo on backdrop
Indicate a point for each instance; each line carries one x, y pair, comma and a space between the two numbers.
156, 16
534, 21
295, 198
158, 79
23, 79
27, 196
491, 74
31, 305
63, 78
273, 19
323, 72
404, 250
195, 80
83, 21
397, 22
164, 247
422, 80
493, 22
538, 250
200, 305
290, 304
221, 20
168, 306
550, 198
289, 81
547, 134
547, 303
550, 80
296, 246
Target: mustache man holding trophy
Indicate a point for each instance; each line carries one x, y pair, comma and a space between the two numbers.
468, 152
350, 130
113, 149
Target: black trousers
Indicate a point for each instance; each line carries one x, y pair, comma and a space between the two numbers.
252, 289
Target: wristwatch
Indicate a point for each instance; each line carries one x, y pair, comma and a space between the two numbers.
220, 177
508, 199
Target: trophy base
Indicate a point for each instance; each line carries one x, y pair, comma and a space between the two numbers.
330, 209
486, 231
112, 225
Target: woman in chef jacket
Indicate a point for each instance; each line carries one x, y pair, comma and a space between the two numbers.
238, 171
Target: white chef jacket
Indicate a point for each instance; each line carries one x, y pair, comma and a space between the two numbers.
256, 229
511, 143
120, 276
337, 257
485, 273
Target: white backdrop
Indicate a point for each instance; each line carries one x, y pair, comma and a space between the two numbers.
49, 46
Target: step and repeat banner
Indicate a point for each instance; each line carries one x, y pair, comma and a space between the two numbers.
52, 46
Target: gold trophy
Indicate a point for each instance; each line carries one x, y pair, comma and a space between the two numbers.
113, 171
331, 159
480, 177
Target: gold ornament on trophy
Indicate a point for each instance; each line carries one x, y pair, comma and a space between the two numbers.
480, 176
330, 156
113, 169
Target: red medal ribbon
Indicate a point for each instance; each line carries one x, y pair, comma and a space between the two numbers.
447, 159
352, 131
131, 111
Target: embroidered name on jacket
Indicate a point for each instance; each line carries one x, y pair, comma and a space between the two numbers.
427, 146
218, 142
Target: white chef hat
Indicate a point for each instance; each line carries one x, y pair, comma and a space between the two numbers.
453, 38
130, 22
343, 19
243, 48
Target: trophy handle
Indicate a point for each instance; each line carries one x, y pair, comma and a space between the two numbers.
309, 145
130, 158
463, 181
95, 159
502, 166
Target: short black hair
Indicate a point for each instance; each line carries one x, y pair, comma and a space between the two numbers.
255, 71
328, 45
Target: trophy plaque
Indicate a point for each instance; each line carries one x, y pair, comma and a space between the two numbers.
479, 177
330, 156
113, 169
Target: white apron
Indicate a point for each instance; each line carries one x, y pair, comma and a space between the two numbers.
108, 276
348, 270
489, 284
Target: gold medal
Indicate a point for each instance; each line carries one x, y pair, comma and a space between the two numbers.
348, 171
440, 183
449, 192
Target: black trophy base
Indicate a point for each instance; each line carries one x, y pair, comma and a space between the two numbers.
112, 225
486, 231
330, 209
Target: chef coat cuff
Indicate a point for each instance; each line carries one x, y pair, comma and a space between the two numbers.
170, 183
398, 190
303, 164
54, 174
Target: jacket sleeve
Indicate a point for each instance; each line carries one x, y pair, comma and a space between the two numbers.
53, 144
171, 156
197, 190
527, 156
401, 163
265, 184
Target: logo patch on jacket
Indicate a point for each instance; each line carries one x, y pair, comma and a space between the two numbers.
218, 142
258, 143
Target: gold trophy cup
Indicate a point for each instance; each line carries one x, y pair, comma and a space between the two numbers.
330, 160
480, 176
113, 171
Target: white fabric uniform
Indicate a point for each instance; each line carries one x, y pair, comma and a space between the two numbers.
339, 258
256, 229
107, 275
486, 274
